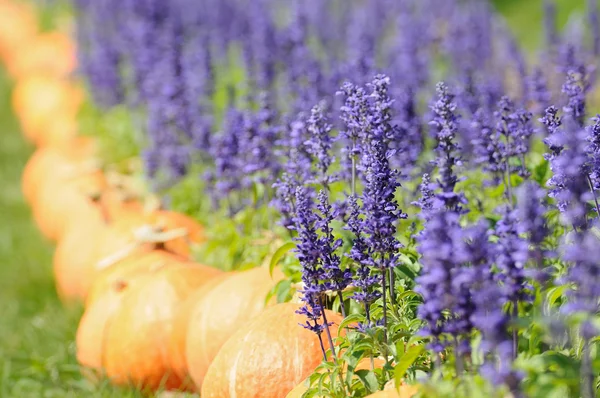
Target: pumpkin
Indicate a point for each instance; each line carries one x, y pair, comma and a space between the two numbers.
168, 220
266, 357
49, 53
51, 163
77, 250
135, 341
61, 199
220, 312
38, 100
79, 253
18, 26
73, 254
93, 324
177, 341
130, 267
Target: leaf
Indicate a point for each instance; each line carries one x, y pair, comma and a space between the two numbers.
369, 379
278, 255
406, 362
351, 319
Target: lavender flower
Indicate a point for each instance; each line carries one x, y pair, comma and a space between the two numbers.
593, 152
531, 212
427, 200
574, 89
337, 279
365, 279
442, 249
308, 252
445, 123
538, 93
512, 253
319, 145
570, 185
489, 150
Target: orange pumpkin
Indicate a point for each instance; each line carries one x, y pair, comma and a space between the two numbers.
130, 267
74, 252
55, 162
49, 53
61, 199
79, 254
93, 324
39, 100
18, 26
173, 220
266, 357
135, 341
220, 312
177, 340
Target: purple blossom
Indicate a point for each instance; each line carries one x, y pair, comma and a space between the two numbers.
337, 279
569, 183
441, 284
365, 279
308, 251
319, 145
593, 152
426, 201
538, 92
489, 149
574, 89
584, 275
445, 124
512, 254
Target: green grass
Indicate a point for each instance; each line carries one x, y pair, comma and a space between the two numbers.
37, 349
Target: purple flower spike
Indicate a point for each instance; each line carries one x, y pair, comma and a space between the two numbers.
319, 145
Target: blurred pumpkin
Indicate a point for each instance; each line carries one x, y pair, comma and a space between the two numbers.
266, 357
59, 199
38, 100
135, 341
130, 267
220, 312
50, 163
177, 340
48, 53
93, 324
18, 26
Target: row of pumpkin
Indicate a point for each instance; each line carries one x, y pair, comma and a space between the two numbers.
153, 319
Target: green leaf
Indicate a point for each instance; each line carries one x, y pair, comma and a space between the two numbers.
406, 361
369, 379
278, 255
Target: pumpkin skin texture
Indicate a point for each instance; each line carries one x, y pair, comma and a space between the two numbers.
89, 340
131, 267
136, 339
177, 340
220, 312
266, 357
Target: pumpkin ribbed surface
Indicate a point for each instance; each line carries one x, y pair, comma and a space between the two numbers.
266, 357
